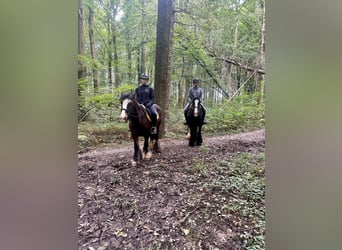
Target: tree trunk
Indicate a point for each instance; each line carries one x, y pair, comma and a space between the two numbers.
92, 49
231, 84
166, 14
143, 37
262, 46
182, 86
116, 61
81, 67
110, 57
114, 44
129, 60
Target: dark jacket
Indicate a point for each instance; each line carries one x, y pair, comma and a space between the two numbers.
145, 95
195, 92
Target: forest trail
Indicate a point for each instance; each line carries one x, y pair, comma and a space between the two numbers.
183, 198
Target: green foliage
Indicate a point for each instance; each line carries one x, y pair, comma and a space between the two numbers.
90, 63
244, 112
238, 186
247, 183
101, 102
200, 167
100, 107
95, 134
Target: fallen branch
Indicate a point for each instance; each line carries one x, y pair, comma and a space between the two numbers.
181, 221
240, 87
86, 113
232, 61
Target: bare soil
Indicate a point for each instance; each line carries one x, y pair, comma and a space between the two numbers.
168, 202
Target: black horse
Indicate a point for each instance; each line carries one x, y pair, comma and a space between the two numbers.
140, 125
195, 121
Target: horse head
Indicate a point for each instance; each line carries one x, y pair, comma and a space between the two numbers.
125, 100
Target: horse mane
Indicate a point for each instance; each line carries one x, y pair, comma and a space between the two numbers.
125, 96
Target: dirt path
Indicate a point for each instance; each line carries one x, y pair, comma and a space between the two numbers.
167, 144
169, 202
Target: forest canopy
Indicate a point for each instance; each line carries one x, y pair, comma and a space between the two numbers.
220, 42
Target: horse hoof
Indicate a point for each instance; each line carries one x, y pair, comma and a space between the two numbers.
134, 163
147, 155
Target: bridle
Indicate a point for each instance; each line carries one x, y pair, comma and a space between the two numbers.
129, 115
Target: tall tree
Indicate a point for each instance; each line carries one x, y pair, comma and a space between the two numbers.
115, 7
262, 46
109, 48
81, 67
92, 46
165, 24
143, 37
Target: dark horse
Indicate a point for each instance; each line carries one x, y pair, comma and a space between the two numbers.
195, 120
140, 125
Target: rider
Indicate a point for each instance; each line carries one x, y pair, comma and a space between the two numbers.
194, 92
145, 96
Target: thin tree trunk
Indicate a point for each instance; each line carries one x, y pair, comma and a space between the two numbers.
262, 45
143, 37
116, 62
181, 86
92, 49
231, 83
129, 60
114, 44
81, 67
262, 49
110, 57
165, 24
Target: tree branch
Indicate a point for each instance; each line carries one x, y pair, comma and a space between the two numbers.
241, 87
232, 61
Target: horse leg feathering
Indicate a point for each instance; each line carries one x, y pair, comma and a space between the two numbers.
147, 155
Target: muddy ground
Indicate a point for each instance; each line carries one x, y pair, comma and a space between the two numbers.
180, 199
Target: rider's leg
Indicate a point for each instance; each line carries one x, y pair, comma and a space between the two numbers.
204, 112
185, 111
154, 120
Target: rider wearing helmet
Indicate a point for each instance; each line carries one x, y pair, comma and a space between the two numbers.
194, 92
145, 96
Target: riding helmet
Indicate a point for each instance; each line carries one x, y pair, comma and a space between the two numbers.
195, 80
144, 76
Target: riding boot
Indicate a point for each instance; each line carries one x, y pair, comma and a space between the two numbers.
154, 127
204, 112
186, 121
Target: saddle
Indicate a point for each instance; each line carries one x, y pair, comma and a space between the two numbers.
147, 113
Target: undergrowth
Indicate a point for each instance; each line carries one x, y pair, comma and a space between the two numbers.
102, 126
243, 178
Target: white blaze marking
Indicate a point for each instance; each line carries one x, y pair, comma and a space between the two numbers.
124, 115
196, 108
